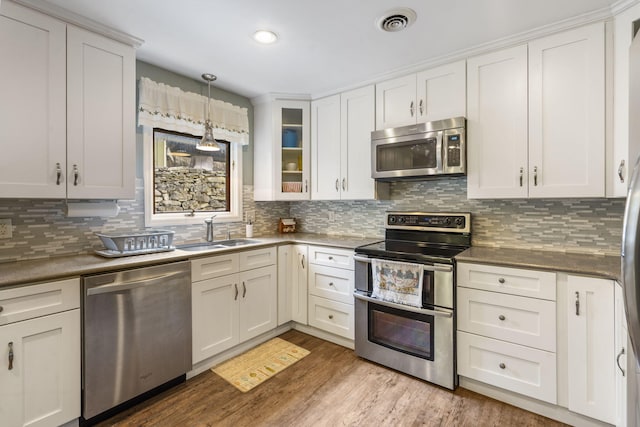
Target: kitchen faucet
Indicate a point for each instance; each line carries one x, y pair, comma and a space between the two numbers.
209, 223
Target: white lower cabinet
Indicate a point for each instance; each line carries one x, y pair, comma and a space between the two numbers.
331, 285
622, 357
235, 302
507, 329
293, 261
40, 384
514, 367
591, 351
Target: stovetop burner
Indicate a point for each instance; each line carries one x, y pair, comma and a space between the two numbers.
422, 237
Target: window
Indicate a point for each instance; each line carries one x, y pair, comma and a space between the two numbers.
184, 185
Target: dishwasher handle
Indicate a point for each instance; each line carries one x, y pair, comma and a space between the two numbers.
123, 286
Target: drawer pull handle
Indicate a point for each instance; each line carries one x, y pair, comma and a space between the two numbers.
577, 303
331, 316
501, 317
501, 280
302, 261
244, 290
1, 309
235, 298
11, 355
618, 360
502, 366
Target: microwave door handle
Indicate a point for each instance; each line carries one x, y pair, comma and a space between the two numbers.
436, 312
441, 152
425, 267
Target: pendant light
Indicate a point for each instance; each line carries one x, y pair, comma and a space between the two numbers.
208, 142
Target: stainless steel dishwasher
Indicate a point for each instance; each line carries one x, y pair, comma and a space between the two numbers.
136, 333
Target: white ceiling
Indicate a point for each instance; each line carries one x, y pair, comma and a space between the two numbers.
323, 46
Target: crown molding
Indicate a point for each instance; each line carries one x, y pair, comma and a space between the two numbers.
80, 21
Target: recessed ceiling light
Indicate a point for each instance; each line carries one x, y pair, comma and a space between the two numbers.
265, 36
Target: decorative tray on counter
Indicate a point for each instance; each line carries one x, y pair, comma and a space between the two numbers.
146, 242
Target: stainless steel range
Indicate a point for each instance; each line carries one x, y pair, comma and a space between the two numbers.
417, 339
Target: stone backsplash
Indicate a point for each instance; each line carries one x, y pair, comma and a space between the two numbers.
40, 228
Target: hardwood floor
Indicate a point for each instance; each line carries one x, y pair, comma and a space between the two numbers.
329, 387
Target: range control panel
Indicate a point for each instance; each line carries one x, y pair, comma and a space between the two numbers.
449, 222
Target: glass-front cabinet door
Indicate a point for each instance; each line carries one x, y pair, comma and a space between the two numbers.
292, 138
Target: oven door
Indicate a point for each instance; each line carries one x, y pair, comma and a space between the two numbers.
412, 340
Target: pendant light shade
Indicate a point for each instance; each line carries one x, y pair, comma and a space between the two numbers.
208, 142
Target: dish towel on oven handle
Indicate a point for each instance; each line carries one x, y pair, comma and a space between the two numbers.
398, 282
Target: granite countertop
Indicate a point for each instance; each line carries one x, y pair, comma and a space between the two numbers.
604, 266
39, 270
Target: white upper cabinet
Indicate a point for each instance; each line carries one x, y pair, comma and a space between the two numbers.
567, 114
33, 75
435, 94
341, 139
497, 124
548, 141
624, 153
281, 150
73, 134
101, 99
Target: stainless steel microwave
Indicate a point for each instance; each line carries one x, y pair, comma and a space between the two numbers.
421, 150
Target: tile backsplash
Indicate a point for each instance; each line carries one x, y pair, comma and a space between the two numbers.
571, 225
40, 228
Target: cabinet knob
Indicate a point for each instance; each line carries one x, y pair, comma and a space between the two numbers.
501, 280
330, 258
330, 283
502, 366
331, 316
1, 309
501, 317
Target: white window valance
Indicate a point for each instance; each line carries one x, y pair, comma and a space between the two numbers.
171, 108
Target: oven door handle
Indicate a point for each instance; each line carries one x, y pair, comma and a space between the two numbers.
425, 267
436, 312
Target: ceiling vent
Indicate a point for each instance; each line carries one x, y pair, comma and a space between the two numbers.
396, 20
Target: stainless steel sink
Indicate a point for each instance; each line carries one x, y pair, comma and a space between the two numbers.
219, 244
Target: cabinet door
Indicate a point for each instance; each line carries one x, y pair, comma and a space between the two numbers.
497, 124
101, 115
214, 313
358, 121
292, 284
325, 139
441, 92
396, 102
625, 152
590, 331
43, 388
32, 129
258, 301
292, 142
566, 114
622, 356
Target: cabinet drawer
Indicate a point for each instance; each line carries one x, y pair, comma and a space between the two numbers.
331, 316
258, 258
332, 283
31, 301
215, 266
528, 283
331, 257
513, 367
521, 320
